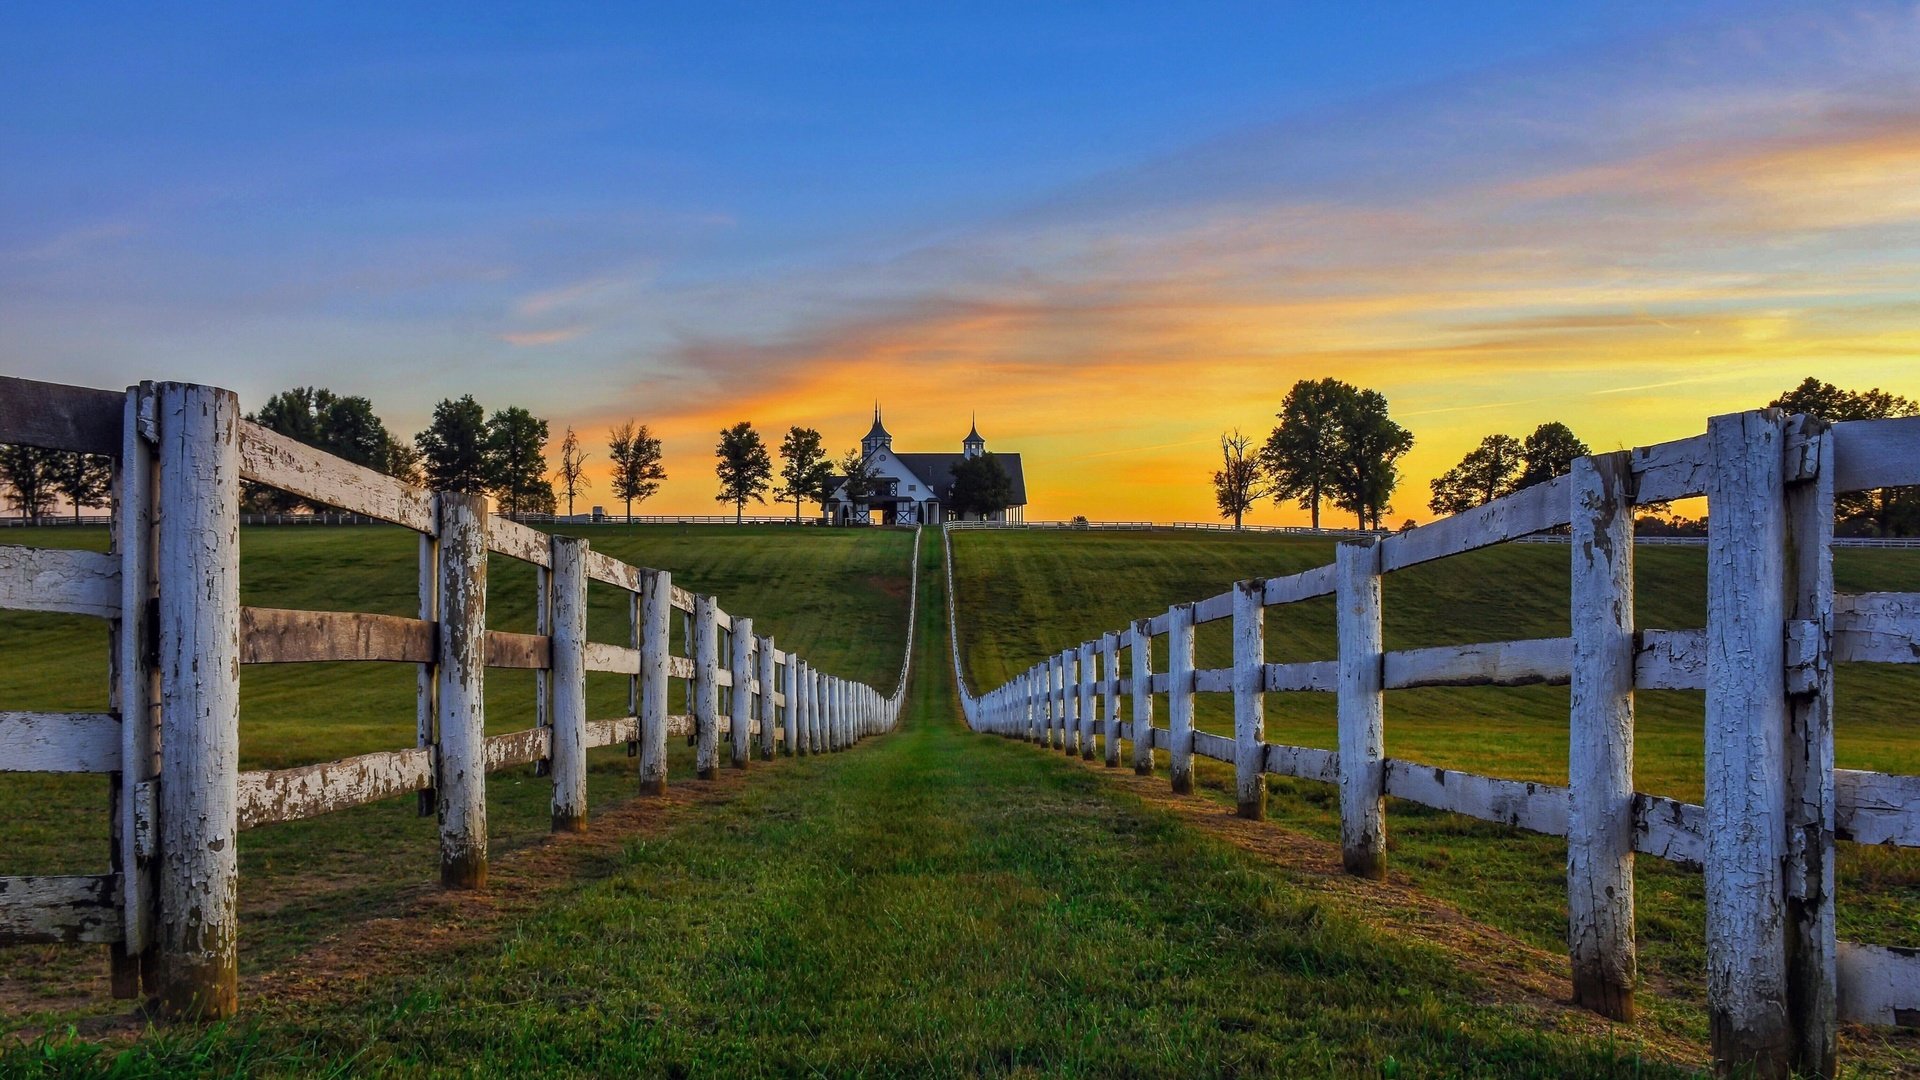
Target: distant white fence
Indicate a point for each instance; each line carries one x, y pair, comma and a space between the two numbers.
1778, 978
170, 592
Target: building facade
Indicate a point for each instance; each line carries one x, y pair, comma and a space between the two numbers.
915, 489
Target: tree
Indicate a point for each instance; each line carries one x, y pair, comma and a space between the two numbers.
404, 461
805, 471
1489, 471
857, 477
1240, 481
517, 463
85, 479
637, 471
981, 487
1302, 455
28, 474
745, 469
572, 474
1368, 453
1549, 452
344, 426
453, 449
1887, 511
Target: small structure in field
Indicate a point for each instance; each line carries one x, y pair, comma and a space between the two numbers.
913, 489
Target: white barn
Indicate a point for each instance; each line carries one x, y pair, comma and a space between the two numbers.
913, 489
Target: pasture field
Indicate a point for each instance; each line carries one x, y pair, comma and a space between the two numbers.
1024, 595
932, 903
839, 596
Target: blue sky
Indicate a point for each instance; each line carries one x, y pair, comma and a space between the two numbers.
606, 211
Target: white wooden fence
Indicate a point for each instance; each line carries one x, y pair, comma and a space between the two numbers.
170, 593
1778, 980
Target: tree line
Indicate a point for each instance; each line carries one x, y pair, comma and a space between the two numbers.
744, 467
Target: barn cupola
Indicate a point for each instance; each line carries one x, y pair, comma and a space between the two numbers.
877, 438
974, 445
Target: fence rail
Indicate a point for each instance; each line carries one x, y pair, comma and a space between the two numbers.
169, 590
1779, 980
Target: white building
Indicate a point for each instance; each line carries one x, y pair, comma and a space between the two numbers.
912, 489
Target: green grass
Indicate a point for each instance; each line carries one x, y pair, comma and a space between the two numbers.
1026, 595
936, 903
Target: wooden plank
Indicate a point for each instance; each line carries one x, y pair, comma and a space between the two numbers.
1304, 762
270, 458
1529, 510
1876, 628
1314, 675
1208, 745
682, 599
605, 568
1670, 829
612, 732
1540, 808
61, 742
508, 537
1494, 663
62, 580
1876, 808
1670, 660
288, 636
1213, 608
60, 417
53, 910
1879, 985
1876, 453
308, 791
680, 667
518, 748
1213, 681
1670, 470
524, 651
615, 658
1319, 581
1157, 626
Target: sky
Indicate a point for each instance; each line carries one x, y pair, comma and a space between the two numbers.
1112, 231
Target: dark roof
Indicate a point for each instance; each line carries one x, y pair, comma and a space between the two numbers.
936, 470
877, 431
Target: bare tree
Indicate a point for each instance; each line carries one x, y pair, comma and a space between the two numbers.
572, 474
1241, 481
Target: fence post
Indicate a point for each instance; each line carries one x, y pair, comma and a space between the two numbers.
706, 685
740, 702
822, 714
425, 713
1069, 702
656, 651
790, 716
1600, 898
1110, 670
1747, 717
1249, 698
135, 693
1046, 702
1036, 714
1180, 696
837, 703
1088, 714
768, 707
568, 733
1141, 646
197, 559
1362, 710
460, 767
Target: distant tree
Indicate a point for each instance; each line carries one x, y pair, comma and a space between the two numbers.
27, 472
981, 487
1240, 481
1369, 450
1549, 452
806, 473
637, 469
745, 468
404, 460
453, 449
572, 473
1488, 472
85, 479
857, 477
517, 462
342, 425
1886, 511
1302, 455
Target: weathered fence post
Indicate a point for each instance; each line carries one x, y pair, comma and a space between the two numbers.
1036, 707
1048, 674
1812, 959
198, 563
1070, 702
1249, 698
425, 712
1600, 819
1362, 709
706, 685
1110, 671
1140, 644
1088, 714
460, 767
656, 651
768, 705
839, 698
568, 734
135, 693
1747, 718
740, 702
1180, 696
790, 715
